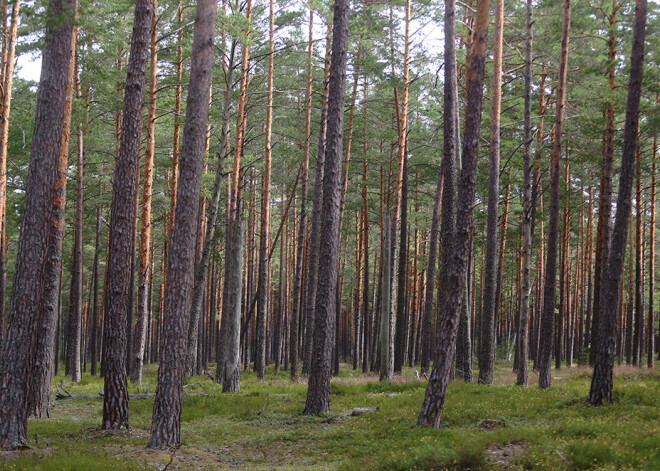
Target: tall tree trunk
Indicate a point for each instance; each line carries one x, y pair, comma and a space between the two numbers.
7, 82
385, 302
548, 314
601, 382
76, 293
436, 390
320, 369
232, 308
177, 127
638, 337
95, 309
213, 207
314, 236
124, 191
44, 354
650, 329
145, 222
402, 127
264, 258
605, 200
298, 306
28, 286
166, 422
490, 301
365, 247
433, 250
526, 287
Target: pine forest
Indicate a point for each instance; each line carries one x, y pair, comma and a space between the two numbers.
324, 234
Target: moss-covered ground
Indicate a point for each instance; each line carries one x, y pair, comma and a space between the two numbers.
485, 427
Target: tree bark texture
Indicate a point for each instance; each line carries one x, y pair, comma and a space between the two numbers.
436, 391
166, 422
120, 244
28, 287
601, 382
549, 301
318, 395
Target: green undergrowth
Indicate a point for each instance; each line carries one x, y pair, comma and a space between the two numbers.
484, 427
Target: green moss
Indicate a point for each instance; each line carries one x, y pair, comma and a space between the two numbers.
262, 427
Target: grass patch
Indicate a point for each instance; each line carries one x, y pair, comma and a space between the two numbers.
262, 427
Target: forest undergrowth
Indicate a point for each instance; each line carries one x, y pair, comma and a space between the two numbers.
262, 427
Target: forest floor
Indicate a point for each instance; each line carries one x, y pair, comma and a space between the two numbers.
485, 427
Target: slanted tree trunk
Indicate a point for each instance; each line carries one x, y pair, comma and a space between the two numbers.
124, 190
436, 390
318, 394
145, 222
548, 314
526, 287
28, 286
166, 422
601, 382
489, 305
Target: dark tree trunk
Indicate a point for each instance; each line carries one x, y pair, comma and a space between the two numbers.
298, 306
314, 236
651, 315
457, 269
320, 367
28, 286
601, 382
548, 314
122, 221
95, 309
526, 287
385, 303
605, 201
638, 337
401, 325
44, 354
76, 294
136, 361
264, 239
490, 301
426, 322
232, 308
166, 422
